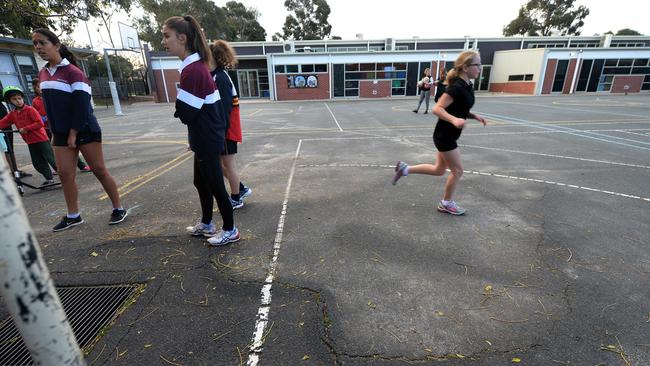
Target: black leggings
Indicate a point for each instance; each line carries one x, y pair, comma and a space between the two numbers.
208, 180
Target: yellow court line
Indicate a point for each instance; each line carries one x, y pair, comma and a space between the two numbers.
252, 114
184, 156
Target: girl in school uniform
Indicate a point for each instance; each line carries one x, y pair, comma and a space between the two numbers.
198, 107
66, 93
224, 57
452, 110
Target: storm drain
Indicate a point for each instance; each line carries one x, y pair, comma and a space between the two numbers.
89, 309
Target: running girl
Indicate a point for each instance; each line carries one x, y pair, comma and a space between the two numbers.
452, 109
198, 107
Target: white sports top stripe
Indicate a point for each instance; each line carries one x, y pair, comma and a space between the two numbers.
213, 98
190, 99
65, 87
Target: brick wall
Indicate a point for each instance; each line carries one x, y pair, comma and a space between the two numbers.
634, 81
566, 89
171, 77
370, 89
548, 76
322, 91
517, 87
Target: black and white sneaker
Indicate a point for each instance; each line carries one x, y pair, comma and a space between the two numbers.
244, 193
118, 216
67, 222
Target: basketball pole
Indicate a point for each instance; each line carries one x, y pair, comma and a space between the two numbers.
27, 287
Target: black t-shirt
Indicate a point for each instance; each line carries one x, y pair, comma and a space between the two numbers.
463, 95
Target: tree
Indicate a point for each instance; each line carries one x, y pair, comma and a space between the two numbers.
307, 21
242, 23
547, 17
628, 32
234, 22
119, 64
19, 17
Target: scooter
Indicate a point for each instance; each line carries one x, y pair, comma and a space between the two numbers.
18, 175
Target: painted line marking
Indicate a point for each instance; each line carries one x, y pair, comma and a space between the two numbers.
569, 131
151, 175
647, 199
265, 307
337, 122
574, 109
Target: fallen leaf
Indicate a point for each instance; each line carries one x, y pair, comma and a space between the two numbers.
460, 356
516, 360
428, 350
94, 254
440, 313
306, 357
488, 288
147, 345
488, 342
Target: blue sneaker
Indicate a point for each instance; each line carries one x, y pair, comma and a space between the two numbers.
202, 229
246, 192
237, 204
224, 237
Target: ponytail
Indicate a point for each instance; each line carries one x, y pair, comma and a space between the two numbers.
191, 28
63, 49
464, 59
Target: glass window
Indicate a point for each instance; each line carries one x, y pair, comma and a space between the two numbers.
350, 84
292, 68
351, 67
367, 67
528, 77
385, 66
353, 75
399, 66
320, 68
641, 70
625, 62
515, 77
24, 60
611, 62
6, 63
398, 91
307, 68
351, 92
279, 69
641, 62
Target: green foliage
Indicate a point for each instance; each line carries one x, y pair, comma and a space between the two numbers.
307, 20
547, 17
243, 24
119, 66
19, 17
234, 22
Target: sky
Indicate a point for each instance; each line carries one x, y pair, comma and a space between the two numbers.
422, 18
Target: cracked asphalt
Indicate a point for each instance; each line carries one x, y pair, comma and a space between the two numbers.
550, 265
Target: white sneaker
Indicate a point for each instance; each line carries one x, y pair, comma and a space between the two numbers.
224, 237
246, 192
202, 229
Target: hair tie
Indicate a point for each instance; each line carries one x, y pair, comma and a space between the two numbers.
187, 18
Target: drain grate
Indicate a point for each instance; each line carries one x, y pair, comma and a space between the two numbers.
89, 309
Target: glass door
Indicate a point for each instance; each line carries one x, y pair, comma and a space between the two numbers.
248, 83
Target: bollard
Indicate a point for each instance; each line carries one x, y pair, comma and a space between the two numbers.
26, 285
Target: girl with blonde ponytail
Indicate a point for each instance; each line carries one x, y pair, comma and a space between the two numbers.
452, 110
198, 105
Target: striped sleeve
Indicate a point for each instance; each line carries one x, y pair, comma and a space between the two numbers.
196, 90
81, 93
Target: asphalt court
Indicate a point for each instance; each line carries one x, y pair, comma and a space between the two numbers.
550, 264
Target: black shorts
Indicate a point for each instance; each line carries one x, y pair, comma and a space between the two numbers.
230, 148
61, 139
445, 136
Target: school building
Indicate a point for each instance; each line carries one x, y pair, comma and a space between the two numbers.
19, 64
332, 69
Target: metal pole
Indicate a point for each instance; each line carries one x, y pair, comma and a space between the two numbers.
27, 288
111, 85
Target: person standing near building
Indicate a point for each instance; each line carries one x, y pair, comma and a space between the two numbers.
198, 107
440, 85
425, 90
224, 57
66, 93
37, 102
453, 109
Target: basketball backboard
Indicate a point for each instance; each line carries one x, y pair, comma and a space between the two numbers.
129, 36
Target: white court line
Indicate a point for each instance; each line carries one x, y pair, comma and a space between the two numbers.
265, 307
556, 156
575, 109
633, 133
490, 175
569, 131
337, 122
